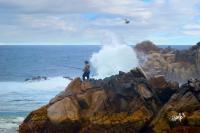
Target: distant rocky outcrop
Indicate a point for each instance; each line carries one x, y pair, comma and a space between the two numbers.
147, 47
127, 102
36, 78
175, 65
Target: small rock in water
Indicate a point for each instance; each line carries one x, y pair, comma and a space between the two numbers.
37, 78
66, 77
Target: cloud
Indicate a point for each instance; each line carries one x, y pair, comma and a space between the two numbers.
49, 22
192, 29
194, 26
44, 6
88, 20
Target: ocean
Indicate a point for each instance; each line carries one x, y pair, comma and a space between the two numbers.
18, 63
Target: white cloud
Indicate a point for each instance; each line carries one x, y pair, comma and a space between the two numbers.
194, 26
65, 19
192, 32
192, 29
49, 22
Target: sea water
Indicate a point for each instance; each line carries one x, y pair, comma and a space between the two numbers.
17, 63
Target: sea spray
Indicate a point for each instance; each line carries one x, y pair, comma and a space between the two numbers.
114, 56
30, 95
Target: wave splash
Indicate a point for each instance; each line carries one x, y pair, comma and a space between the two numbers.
114, 56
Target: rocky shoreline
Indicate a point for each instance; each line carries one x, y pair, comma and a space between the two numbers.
175, 65
127, 102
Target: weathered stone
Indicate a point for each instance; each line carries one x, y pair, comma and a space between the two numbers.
146, 46
176, 65
66, 109
59, 97
158, 82
143, 91
93, 101
74, 86
178, 103
86, 85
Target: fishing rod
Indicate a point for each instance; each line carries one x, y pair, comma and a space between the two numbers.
74, 67
77, 68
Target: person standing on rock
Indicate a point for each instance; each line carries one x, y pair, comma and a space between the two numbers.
86, 71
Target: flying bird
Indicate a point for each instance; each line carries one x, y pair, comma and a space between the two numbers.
126, 21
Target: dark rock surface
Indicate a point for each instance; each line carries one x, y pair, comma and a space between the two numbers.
126, 102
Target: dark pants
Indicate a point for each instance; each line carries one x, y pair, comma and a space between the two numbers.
86, 74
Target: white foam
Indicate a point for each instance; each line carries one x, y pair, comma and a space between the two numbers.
18, 120
10, 125
27, 96
51, 83
114, 56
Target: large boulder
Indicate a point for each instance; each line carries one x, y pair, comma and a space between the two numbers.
75, 87
66, 109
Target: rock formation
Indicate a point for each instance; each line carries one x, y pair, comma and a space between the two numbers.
147, 47
36, 78
175, 65
126, 102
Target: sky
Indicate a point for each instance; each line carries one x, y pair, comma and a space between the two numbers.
85, 22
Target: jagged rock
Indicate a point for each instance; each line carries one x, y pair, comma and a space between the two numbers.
194, 84
36, 78
146, 46
158, 82
162, 88
176, 65
184, 101
126, 102
143, 91
59, 97
74, 86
